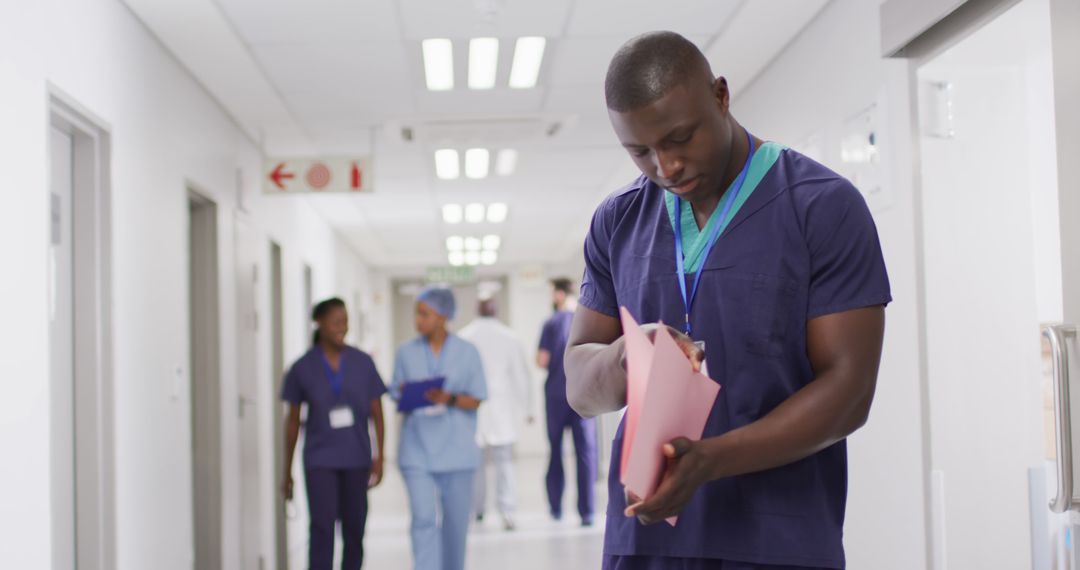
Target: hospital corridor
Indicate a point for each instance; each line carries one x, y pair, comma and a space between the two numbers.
524, 284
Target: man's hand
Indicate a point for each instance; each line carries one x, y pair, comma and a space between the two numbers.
687, 469
437, 396
376, 473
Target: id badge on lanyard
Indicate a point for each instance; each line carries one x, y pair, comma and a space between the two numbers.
341, 415
704, 363
721, 223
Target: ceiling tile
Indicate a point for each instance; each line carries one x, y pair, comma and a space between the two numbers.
260, 21
331, 66
459, 19
769, 26
627, 18
582, 61
491, 102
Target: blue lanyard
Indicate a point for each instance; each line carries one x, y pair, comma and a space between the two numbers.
714, 236
337, 379
435, 364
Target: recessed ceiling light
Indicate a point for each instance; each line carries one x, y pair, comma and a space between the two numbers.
505, 162
496, 213
452, 214
439, 64
492, 242
456, 258
489, 257
472, 244
483, 62
472, 258
528, 55
474, 213
447, 166
455, 243
476, 162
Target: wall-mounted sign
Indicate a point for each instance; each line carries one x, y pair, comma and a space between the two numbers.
861, 158
316, 175
450, 275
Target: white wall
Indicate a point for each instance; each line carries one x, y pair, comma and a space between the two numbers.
830, 73
24, 425
166, 134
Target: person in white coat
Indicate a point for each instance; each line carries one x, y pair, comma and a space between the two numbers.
509, 401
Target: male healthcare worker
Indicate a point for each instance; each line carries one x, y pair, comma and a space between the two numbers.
509, 404
342, 391
769, 260
438, 453
561, 416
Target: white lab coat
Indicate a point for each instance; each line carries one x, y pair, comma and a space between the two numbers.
509, 381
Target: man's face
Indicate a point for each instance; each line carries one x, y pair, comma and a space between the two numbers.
681, 141
557, 298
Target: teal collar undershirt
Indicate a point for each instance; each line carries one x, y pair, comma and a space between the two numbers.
694, 239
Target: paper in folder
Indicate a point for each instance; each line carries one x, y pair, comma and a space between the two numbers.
412, 394
665, 399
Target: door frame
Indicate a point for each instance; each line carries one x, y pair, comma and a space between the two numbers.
277, 371
204, 280
248, 265
94, 477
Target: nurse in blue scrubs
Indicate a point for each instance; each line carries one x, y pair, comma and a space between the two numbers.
768, 266
438, 454
342, 391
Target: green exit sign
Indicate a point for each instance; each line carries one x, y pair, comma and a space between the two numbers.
451, 275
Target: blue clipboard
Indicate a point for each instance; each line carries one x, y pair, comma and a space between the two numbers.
412, 394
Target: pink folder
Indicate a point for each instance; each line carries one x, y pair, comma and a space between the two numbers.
665, 399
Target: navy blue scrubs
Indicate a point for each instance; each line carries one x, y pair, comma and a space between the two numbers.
561, 416
337, 461
802, 246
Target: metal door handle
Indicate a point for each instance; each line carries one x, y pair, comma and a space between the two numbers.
1056, 335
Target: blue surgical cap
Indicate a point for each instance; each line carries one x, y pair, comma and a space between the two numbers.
440, 299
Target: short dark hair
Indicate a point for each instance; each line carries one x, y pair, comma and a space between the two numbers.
488, 308
321, 310
562, 284
648, 67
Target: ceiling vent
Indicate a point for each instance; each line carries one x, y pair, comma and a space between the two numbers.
464, 132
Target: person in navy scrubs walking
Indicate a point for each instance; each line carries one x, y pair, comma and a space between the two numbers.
769, 267
560, 416
342, 391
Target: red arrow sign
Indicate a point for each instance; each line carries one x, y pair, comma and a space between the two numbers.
277, 175
356, 179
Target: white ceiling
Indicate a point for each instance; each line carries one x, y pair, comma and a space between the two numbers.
337, 77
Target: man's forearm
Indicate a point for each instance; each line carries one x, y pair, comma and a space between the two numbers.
595, 378
824, 412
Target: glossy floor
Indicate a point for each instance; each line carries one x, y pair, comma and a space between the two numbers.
538, 543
